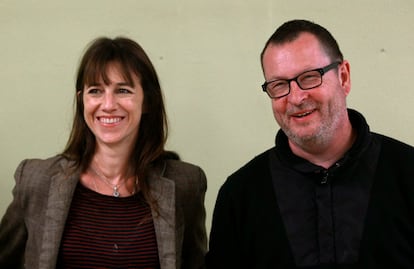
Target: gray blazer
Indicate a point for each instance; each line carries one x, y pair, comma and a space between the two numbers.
32, 227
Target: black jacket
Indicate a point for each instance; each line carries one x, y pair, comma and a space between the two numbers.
280, 211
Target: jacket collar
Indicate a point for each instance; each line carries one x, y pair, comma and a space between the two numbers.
62, 187
361, 143
163, 191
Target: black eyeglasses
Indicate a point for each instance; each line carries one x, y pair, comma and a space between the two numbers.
307, 80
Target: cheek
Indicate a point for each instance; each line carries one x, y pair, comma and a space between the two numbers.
87, 117
91, 104
278, 107
135, 111
87, 110
139, 105
279, 110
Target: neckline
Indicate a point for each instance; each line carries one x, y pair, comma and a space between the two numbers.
83, 188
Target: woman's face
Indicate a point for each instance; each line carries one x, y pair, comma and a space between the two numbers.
113, 111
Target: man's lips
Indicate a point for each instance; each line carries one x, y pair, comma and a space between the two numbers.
302, 114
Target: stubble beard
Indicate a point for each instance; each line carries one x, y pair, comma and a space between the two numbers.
323, 134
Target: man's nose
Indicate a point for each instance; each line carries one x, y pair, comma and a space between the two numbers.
296, 95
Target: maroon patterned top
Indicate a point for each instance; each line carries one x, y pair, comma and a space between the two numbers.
108, 232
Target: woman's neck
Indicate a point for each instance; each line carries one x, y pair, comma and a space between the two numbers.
112, 163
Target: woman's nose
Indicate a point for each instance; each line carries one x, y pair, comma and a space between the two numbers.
109, 101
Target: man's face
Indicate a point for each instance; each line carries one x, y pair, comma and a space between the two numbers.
308, 117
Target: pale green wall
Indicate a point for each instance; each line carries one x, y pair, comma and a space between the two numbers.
207, 57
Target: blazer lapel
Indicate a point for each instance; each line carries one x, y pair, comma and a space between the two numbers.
163, 190
59, 200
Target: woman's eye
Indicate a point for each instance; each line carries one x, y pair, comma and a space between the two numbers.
124, 90
93, 91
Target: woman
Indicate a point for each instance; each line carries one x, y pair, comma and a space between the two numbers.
115, 198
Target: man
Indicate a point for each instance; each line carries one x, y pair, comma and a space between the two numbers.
330, 194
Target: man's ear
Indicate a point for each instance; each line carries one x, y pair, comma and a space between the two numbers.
344, 73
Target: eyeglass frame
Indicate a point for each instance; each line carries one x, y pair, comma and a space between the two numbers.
322, 71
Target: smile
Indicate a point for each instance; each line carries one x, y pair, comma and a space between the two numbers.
109, 120
303, 113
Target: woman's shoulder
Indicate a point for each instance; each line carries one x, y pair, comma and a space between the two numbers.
184, 172
42, 165
40, 168
178, 167
33, 175
181, 165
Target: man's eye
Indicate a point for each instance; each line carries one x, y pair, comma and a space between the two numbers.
310, 77
278, 85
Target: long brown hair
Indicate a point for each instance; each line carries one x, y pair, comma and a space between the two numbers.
149, 147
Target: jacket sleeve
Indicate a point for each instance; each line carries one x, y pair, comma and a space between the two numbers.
224, 246
195, 237
13, 233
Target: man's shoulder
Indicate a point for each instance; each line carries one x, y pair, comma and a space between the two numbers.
254, 171
395, 154
257, 163
391, 145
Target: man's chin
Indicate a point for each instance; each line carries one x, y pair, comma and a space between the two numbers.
304, 139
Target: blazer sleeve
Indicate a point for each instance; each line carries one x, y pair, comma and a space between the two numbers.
13, 233
195, 237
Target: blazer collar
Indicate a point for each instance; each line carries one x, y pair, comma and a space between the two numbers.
62, 187
163, 191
